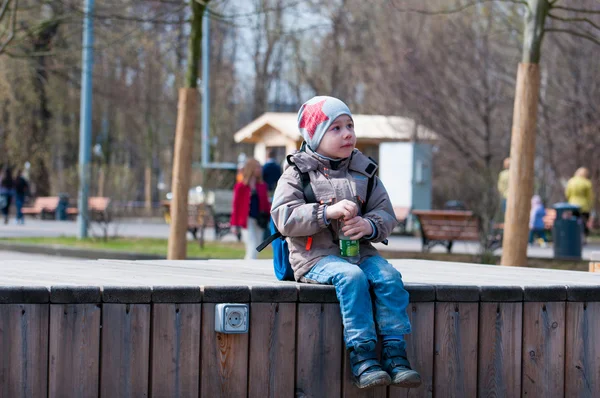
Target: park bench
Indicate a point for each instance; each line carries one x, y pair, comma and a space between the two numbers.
196, 222
98, 208
220, 211
215, 212
443, 227
43, 206
401, 216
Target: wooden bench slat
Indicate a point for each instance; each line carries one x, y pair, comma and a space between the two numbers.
446, 226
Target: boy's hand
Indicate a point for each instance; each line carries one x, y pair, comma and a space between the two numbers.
345, 209
357, 227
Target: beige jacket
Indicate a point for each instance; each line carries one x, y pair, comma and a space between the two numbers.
299, 220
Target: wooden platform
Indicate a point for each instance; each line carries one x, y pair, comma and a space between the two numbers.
260, 272
146, 328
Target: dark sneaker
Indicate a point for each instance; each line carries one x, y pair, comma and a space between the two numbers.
367, 369
396, 364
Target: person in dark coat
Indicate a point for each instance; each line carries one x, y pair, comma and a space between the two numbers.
271, 172
21, 192
7, 189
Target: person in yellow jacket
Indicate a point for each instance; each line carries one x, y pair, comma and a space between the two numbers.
579, 192
503, 183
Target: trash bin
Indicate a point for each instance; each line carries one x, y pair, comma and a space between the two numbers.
566, 231
61, 208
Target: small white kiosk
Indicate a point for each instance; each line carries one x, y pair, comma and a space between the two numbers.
400, 146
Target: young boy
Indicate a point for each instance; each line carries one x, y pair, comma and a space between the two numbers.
339, 176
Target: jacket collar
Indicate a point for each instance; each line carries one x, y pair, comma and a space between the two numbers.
307, 160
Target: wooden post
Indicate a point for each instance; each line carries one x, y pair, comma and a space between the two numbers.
522, 148
184, 139
182, 167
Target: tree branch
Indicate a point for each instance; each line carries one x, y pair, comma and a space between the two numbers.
453, 10
13, 24
4, 8
575, 33
574, 20
583, 10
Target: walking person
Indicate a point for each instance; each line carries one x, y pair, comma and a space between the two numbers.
271, 171
21, 192
536, 221
579, 192
7, 187
251, 207
503, 185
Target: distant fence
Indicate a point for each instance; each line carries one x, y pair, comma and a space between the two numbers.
122, 342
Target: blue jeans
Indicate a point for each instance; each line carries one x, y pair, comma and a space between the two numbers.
352, 283
540, 233
19, 201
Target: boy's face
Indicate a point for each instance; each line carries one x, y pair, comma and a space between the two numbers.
339, 140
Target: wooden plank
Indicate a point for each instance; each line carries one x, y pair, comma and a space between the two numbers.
349, 390
456, 331
272, 350
125, 350
319, 350
260, 272
224, 359
24, 350
452, 236
74, 350
582, 376
175, 362
419, 348
543, 349
500, 336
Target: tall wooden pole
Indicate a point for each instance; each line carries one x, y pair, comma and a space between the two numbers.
522, 148
184, 139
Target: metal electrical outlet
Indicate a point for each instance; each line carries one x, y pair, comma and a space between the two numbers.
231, 318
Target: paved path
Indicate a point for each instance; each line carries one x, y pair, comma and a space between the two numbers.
158, 229
8, 256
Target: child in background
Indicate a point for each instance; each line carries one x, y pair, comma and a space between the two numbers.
536, 221
339, 177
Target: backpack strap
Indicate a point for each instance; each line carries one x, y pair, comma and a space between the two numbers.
268, 241
309, 197
370, 184
309, 194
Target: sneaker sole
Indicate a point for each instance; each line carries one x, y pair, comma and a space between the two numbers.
409, 382
375, 383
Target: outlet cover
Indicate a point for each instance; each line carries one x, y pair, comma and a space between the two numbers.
231, 318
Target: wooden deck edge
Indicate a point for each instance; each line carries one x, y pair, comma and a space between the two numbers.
285, 292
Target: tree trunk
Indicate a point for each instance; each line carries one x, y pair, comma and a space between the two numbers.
182, 166
148, 189
101, 180
184, 140
522, 148
522, 154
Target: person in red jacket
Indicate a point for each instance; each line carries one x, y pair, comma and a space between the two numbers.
251, 207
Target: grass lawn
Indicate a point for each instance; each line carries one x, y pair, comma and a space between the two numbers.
229, 250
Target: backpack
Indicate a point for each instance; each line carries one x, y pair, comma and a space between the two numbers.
281, 254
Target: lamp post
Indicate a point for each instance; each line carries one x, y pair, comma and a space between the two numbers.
85, 120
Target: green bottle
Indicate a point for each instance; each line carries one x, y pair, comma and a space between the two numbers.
349, 249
